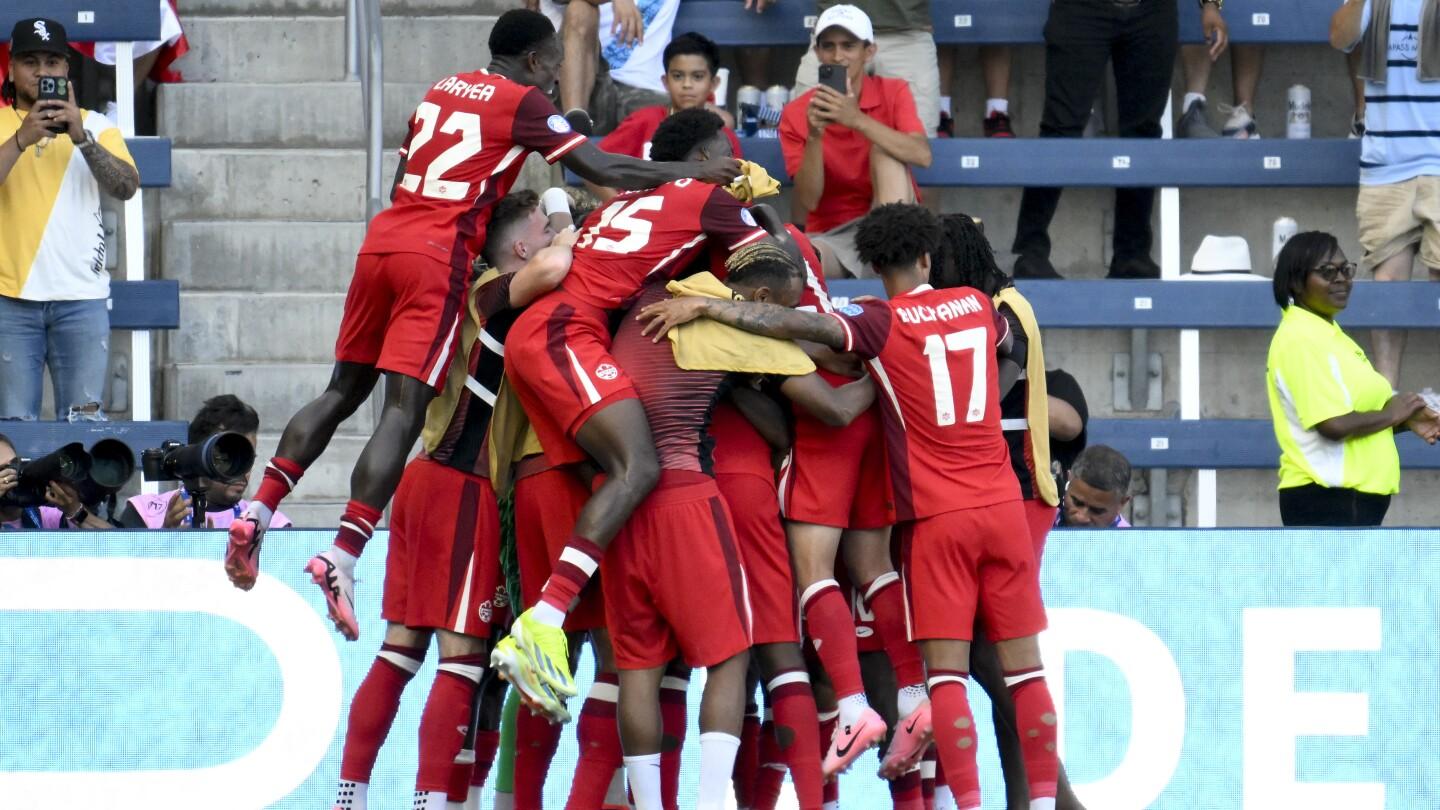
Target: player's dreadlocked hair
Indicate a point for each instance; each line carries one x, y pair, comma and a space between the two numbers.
518, 31
682, 132
965, 258
896, 235
513, 208
763, 264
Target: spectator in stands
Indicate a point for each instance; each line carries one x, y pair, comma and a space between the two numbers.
224, 502
849, 152
691, 60
53, 282
63, 509
1399, 203
904, 41
1098, 490
1245, 64
995, 75
1081, 36
613, 60
1335, 417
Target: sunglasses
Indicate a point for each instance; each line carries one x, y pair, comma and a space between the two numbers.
1330, 272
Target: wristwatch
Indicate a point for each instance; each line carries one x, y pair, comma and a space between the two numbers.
1218, 4
80, 516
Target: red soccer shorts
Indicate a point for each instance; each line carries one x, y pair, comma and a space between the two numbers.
967, 560
756, 514
403, 314
674, 583
837, 476
1041, 518
442, 569
546, 505
557, 359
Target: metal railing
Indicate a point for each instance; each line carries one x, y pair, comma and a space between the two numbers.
365, 60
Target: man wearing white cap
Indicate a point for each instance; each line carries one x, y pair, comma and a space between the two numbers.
850, 151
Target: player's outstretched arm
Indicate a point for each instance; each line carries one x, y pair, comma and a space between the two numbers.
836, 407
761, 319
622, 171
545, 270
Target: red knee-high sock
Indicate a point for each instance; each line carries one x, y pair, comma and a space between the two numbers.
828, 720
771, 774
747, 759
357, 524
535, 743
927, 777
372, 711
905, 791
577, 564
887, 601
832, 629
797, 730
445, 719
1039, 730
599, 737
466, 778
955, 735
281, 476
673, 725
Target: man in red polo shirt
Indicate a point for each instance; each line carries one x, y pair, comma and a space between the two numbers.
852, 151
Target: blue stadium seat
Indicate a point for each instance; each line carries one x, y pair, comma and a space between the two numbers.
33, 439
1219, 444
143, 305
1117, 304
88, 20
152, 158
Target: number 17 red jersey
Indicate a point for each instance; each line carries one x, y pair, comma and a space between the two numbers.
932, 354
467, 141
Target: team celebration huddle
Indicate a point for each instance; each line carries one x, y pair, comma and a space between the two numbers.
706, 466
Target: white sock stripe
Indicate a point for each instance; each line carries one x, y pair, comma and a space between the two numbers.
816, 588
642, 759
357, 528
774, 766
936, 680
880, 582
719, 736
405, 662
927, 769
674, 682
580, 560
469, 671
826, 717
605, 692
290, 482
1018, 678
799, 676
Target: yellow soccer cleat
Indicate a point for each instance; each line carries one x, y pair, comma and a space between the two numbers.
509, 662
546, 652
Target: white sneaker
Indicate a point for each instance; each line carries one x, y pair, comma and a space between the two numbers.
1240, 125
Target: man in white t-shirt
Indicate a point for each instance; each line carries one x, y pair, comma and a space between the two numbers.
614, 60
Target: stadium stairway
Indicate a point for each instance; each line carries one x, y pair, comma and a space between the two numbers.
266, 211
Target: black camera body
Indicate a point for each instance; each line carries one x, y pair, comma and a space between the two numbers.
54, 88
70, 463
223, 457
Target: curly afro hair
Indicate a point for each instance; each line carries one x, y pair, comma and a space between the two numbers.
896, 235
682, 132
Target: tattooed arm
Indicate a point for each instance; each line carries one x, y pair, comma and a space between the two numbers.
115, 177
761, 319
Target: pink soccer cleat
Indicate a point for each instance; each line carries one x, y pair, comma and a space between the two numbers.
850, 741
907, 747
242, 552
338, 585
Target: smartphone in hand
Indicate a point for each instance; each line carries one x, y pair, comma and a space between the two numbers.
834, 77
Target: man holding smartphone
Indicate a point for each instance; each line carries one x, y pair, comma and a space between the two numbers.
850, 141
55, 160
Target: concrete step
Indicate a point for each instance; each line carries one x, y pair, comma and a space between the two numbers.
293, 8
292, 115
257, 255
303, 49
327, 480
274, 390
295, 184
244, 327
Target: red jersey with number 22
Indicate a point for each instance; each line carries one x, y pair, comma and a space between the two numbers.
643, 236
932, 353
467, 142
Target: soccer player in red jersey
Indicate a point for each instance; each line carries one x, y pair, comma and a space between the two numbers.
467, 142
579, 398
443, 569
933, 350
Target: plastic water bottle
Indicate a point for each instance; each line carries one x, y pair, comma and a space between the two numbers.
748, 100
722, 87
1284, 228
1297, 119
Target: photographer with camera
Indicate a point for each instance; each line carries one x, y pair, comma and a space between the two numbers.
62, 508
53, 282
224, 501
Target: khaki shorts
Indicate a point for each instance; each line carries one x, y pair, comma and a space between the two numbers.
908, 55
1396, 216
612, 102
841, 242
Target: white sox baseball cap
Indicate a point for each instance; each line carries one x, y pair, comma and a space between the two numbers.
850, 18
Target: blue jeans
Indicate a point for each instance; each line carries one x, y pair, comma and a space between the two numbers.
72, 336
